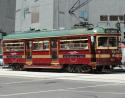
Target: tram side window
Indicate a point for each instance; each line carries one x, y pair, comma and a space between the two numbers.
10, 47
107, 42
74, 44
41, 45
102, 42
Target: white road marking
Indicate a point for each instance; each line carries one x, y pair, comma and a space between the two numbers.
117, 93
66, 89
10, 83
37, 92
101, 85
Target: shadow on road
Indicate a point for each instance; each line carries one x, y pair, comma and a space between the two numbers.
115, 71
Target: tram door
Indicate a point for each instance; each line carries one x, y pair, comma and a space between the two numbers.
93, 48
54, 49
28, 52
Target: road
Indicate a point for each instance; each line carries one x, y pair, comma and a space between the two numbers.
23, 84
22, 87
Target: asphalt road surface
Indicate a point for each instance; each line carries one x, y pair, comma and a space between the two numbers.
29, 87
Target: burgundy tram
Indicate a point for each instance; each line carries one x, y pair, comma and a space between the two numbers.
76, 50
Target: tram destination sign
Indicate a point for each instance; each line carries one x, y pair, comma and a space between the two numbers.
111, 30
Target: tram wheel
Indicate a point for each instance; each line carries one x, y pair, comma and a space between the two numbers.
85, 68
70, 68
13, 67
104, 69
78, 68
107, 69
17, 67
21, 67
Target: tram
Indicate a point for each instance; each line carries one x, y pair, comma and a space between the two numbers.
75, 50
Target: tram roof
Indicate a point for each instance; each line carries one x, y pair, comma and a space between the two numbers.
47, 34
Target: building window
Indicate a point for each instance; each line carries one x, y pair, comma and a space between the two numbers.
103, 18
113, 18
121, 18
35, 15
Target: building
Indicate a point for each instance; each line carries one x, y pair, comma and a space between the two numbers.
54, 14
43, 14
109, 13
7, 15
32, 14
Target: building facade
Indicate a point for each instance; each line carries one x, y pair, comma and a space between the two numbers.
43, 14
54, 14
107, 12
34, 14
7, 15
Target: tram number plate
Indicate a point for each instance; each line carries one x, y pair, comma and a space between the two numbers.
73, 56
